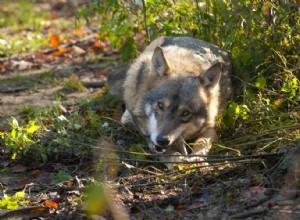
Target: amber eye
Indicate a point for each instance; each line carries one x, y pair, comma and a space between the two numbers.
185, 115
160, 105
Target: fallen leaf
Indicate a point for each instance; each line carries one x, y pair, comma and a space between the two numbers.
78, 51
51, 204
69, 183
181, 207
98, 46
254, 193
18, 169
54, 15
101, 73
54, 40
2, 69
97, 36
62, 49
56, 53
41, 56
78, 32
21, 65
21, 184
37, 173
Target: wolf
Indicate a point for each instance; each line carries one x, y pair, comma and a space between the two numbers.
173, 93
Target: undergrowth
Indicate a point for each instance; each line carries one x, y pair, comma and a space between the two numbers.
263, 38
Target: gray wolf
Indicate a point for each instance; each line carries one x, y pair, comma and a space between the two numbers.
173, 93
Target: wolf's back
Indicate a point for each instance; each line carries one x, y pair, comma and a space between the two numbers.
208, 51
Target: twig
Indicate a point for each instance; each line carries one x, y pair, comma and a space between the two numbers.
145, 19
256, 156
267, 132
248, 214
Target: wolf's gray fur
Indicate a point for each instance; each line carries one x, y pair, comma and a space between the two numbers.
173, 92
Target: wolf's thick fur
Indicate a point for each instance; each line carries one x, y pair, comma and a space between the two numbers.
173, 92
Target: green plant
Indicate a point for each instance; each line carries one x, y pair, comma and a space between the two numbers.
73, 84
262, 37
20, 138
62, 176
13, 202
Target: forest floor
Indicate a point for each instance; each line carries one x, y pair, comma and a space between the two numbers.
49, 63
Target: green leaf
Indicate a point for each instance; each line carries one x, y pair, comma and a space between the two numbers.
77, 126
128, 50
261, 82
32, 127
20, 195
62, 176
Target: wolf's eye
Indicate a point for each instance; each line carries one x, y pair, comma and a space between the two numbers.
160, 105
185, 115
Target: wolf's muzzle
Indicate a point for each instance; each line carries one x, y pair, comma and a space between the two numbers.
162, 141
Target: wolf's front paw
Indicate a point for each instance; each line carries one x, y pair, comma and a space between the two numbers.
202, 146
126, 117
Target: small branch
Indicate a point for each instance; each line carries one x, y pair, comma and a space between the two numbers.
248, 214
145, 20
240, 158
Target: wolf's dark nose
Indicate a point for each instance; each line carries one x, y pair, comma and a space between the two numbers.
162, 140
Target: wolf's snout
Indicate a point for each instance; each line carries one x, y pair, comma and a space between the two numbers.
162, 141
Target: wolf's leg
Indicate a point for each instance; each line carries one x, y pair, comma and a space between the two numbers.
203, 145
171, 158
126, 117
174, 153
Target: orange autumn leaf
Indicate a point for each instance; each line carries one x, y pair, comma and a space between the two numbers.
78, 32
51, 204
98, 46
97, 36
54, 40
56, 53
62, 49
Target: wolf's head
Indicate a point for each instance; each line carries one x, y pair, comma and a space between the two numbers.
179, 104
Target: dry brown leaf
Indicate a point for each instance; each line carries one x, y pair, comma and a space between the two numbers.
181, 207
18, 169
41, 56
254, 193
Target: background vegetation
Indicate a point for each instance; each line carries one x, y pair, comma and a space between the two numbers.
262, 36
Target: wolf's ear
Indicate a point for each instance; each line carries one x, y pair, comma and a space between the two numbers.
159, 63
212, 75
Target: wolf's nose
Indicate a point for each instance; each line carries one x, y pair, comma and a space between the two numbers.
162, 140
